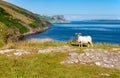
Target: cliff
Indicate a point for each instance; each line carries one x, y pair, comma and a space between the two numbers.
54, 19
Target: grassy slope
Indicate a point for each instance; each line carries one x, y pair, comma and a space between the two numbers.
18, 21
48, 65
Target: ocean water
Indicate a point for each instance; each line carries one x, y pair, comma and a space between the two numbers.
100, 31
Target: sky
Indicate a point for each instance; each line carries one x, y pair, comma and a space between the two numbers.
73, 9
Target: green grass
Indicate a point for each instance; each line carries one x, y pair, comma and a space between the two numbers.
11, 23
48, 65
34, 24
2, 34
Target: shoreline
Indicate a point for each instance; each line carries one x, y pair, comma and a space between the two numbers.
23, 36
35, 32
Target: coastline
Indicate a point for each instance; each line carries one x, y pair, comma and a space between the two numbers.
35, 32
23, 36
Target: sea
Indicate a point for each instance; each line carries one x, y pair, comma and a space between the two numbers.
101, 31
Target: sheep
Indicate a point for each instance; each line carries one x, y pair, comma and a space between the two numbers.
84, 39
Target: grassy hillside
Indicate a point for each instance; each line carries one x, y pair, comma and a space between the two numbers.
15, 21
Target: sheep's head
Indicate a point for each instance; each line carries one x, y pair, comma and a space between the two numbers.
78, 33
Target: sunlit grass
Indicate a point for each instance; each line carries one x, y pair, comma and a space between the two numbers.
33, 44
17, 15
48, 65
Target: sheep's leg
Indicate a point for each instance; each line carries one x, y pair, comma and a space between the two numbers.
81, 44
91, 44
88, 45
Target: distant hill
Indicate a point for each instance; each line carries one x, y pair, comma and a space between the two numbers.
53, 19
16, 22
96, 22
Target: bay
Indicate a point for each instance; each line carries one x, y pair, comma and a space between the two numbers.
100, 31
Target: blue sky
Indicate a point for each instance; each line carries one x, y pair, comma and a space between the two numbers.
73, 9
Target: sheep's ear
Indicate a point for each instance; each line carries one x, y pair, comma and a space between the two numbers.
76, 33
79, 33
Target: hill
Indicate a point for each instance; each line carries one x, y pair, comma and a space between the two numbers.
54, 19
16, 22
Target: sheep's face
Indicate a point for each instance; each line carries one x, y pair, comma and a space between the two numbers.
77, 34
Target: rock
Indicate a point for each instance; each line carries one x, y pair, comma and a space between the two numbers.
21, 52
56, 49
98, 57
115, 49
6, 51
15, 52
73, 57
98, 63
104, 74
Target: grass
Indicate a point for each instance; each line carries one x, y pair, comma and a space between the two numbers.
34, 24
33, 44
17, 15
2, 34
48, 65
11, 23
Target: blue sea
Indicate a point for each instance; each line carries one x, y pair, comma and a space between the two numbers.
100, 31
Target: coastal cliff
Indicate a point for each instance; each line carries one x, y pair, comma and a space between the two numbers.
16, 22
54, 18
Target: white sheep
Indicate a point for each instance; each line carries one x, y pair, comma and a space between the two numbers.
83, 40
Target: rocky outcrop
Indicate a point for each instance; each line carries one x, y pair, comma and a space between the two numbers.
57, 49
99, 57
14, 52
20, 52
6, 51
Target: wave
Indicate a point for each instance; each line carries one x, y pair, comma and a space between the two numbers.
82, 25
95, 29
